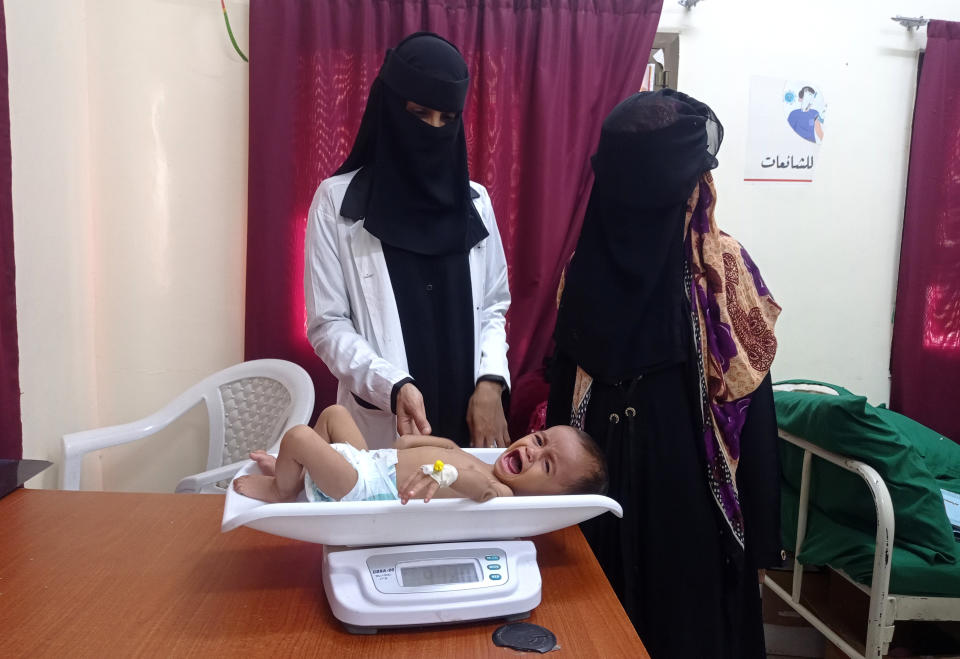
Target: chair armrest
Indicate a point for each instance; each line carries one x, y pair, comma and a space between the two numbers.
199, 482
77, 444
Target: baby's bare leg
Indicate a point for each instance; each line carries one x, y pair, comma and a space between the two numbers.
337, 426
334, 425
301, 448
329, 470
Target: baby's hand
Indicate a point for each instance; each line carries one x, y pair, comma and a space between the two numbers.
418, 484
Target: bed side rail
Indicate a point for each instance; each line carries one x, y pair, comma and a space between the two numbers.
879, 623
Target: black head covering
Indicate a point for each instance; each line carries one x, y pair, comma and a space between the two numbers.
623, 311
413, 187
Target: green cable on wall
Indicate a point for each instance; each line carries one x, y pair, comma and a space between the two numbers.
226, 19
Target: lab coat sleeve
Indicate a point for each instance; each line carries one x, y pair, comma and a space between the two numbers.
330, 325
496, 301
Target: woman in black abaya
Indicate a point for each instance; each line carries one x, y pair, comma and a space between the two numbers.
664, 342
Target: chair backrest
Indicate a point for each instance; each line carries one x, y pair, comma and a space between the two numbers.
251, 405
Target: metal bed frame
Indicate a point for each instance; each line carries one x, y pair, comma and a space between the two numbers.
885, 607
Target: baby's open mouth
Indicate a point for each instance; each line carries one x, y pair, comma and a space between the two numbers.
512, 462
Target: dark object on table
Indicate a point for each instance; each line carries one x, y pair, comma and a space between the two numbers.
525, 636
14, 473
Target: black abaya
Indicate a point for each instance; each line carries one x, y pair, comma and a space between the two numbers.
673, 562
683, 559
434, 302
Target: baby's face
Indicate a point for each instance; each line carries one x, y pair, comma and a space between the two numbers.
546, 462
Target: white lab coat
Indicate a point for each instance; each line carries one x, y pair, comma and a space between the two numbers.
352, 319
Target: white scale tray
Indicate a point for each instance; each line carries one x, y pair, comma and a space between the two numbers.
369, 523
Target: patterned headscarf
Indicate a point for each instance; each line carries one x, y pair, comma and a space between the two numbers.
733, 315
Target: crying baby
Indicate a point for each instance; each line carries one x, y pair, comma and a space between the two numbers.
331, 462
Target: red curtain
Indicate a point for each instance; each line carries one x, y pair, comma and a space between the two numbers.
11, 445
925, 365
544, 75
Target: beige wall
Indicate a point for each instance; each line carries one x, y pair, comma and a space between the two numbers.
129, 136
49, 119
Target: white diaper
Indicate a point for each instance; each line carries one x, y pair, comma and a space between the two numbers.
376, 475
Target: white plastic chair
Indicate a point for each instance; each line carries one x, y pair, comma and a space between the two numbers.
250, 406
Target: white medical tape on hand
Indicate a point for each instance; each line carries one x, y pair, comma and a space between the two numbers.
445, 477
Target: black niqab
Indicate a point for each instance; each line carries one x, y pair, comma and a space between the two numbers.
623, 310
413, 187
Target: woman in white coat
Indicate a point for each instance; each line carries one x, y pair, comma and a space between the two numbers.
405, 275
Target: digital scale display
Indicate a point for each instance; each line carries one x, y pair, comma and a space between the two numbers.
416, 570
439, 573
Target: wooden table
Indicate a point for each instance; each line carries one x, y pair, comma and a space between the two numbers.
95, 574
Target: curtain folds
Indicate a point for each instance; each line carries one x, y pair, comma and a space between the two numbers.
925, 362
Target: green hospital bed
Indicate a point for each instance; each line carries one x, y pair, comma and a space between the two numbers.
862, 494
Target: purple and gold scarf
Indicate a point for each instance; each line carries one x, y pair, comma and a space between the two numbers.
733, 315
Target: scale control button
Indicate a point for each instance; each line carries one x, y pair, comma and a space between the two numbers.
492, 557
493, 566
496, 577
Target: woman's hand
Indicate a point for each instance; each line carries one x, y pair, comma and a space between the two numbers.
418, 484
488, 425
411, 414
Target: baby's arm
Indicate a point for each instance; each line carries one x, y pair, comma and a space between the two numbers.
479, 485
416, 441
473, 481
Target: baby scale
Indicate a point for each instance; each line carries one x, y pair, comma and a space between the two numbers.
451, 560
430, 584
